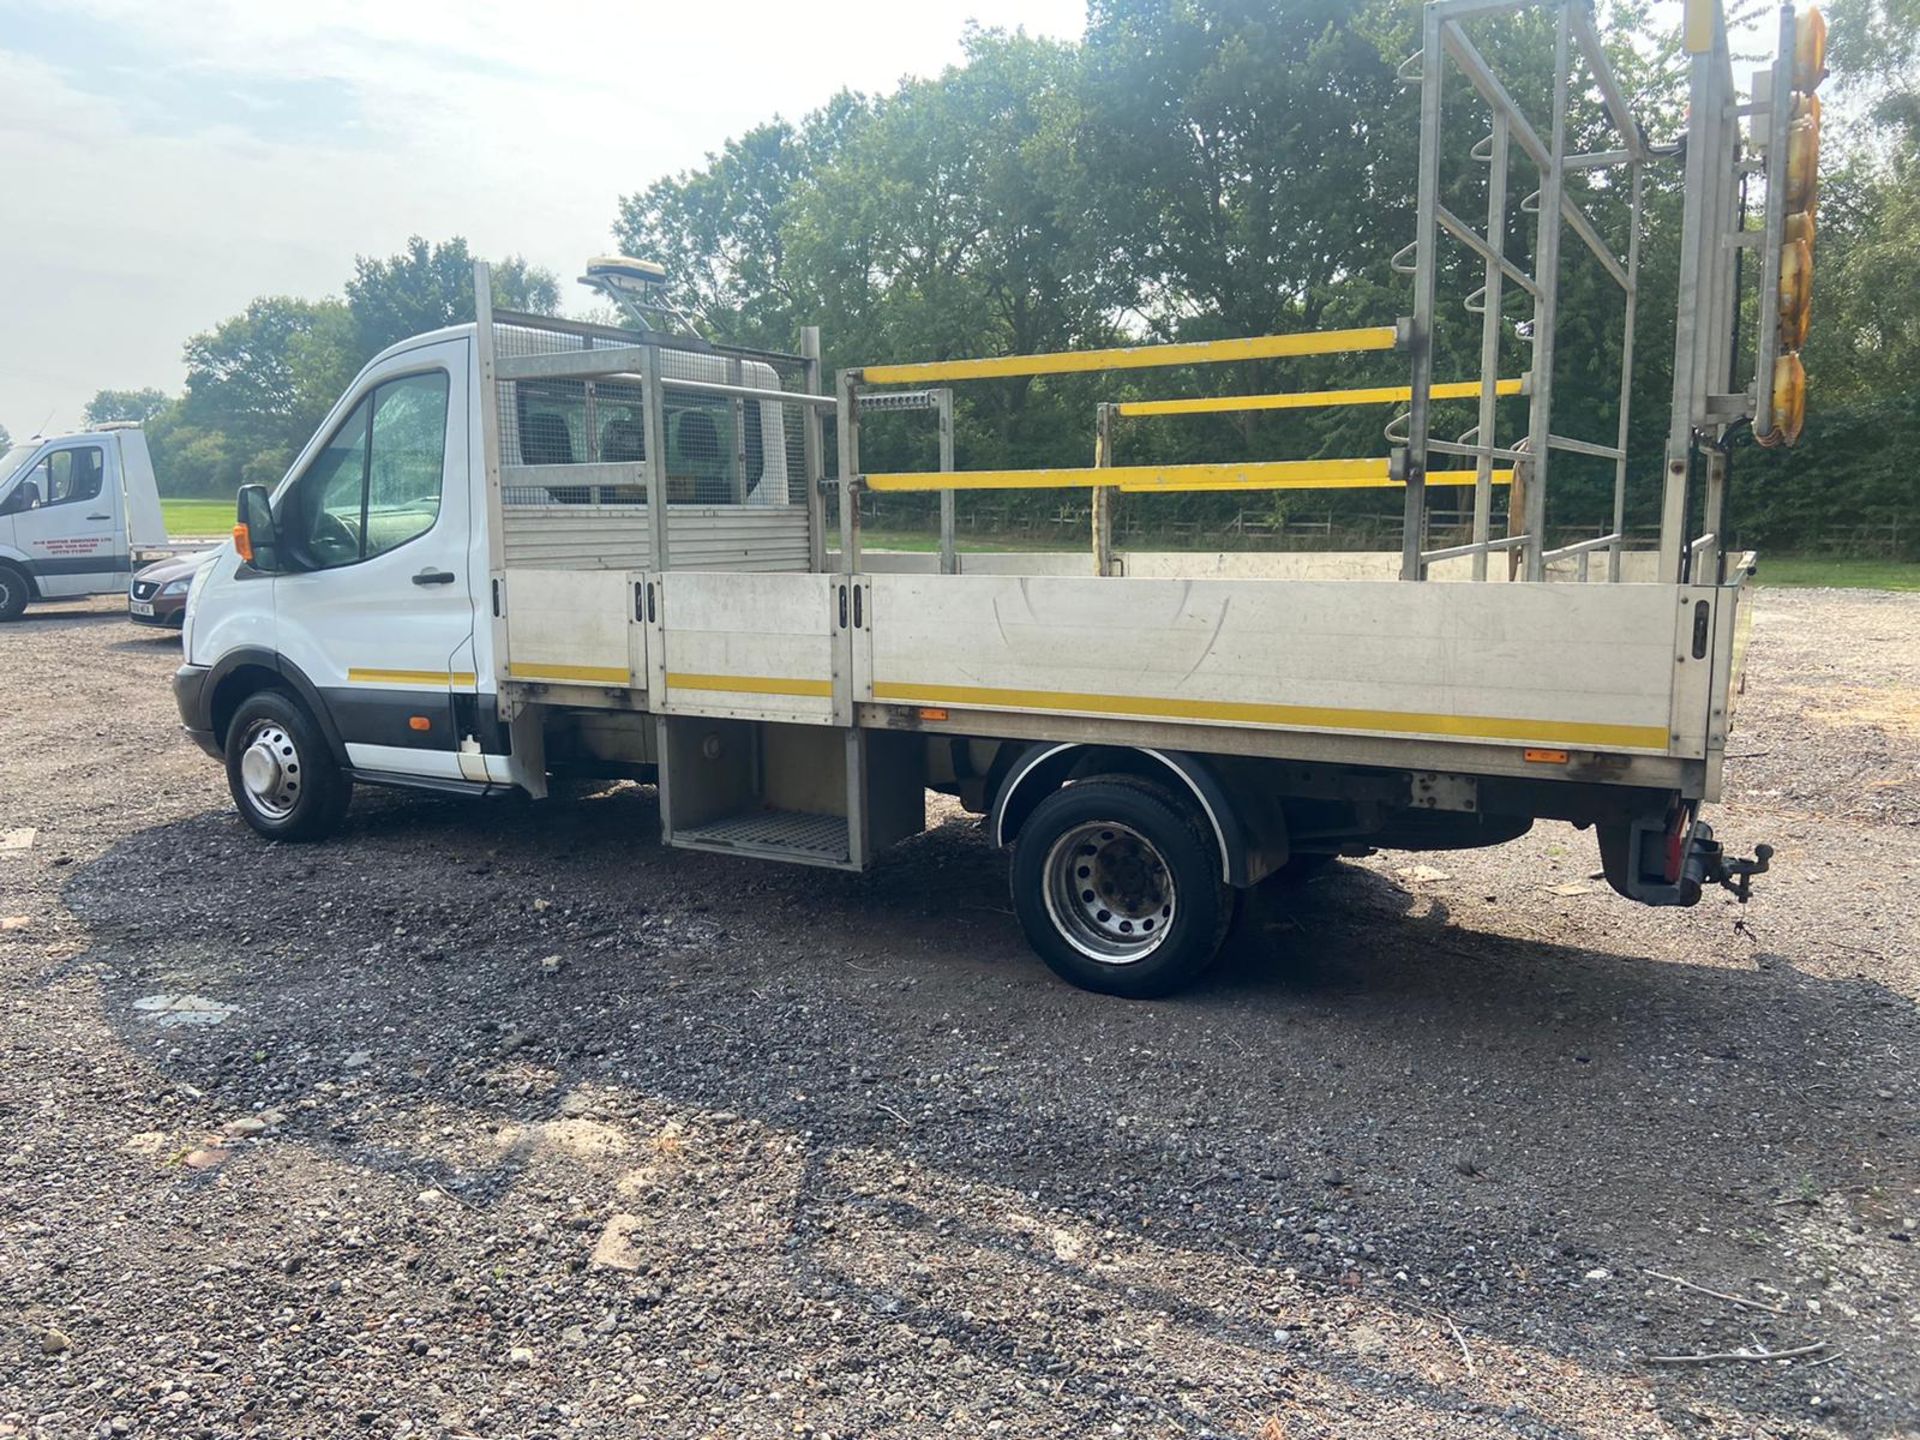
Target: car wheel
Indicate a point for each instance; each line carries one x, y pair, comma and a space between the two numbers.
282, 775
14, 593
1117, 886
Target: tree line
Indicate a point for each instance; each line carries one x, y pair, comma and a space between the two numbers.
1192, 169
259, 383
1188, 169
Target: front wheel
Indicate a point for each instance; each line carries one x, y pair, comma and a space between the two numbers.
1117, 886
14, 593
282, 775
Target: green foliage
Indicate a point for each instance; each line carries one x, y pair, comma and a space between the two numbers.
427, 287
1202, 168
108, 406
260, 383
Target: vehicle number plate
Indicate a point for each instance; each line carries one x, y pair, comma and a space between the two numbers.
140, 607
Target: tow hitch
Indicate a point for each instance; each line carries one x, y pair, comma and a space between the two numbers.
1708, 864
1670, 859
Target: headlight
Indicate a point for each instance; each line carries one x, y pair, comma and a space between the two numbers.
177, 587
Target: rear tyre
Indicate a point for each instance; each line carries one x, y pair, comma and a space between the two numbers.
1117, 886
14, 593
282, 775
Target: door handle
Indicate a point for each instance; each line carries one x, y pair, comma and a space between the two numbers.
433, 577
100, 517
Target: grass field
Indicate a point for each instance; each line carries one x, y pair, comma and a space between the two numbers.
1839, 574
197, 517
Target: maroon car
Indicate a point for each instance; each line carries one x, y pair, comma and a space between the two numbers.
158, 593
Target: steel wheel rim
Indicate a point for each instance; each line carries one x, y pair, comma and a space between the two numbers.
270, 769
1110, 892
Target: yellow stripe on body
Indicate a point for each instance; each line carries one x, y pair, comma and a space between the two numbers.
1361, 474
448, 678
584, 674
1308, 399
749, 684
1135, 357
1316, 717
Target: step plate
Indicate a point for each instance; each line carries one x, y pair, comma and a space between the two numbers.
776, 834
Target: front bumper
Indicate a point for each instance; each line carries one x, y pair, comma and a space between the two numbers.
194, 696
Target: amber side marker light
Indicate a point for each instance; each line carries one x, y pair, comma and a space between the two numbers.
419, 722
243, 543
933, 714
1545, 757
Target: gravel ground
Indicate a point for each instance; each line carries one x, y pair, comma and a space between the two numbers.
501, 1121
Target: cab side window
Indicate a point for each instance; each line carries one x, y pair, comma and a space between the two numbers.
66, 477
376, 484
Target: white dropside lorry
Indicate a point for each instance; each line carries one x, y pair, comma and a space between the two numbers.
78, 514
529, 548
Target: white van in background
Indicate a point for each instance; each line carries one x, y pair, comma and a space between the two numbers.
78, 514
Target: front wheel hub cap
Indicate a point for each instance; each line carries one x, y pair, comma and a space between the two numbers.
270, 770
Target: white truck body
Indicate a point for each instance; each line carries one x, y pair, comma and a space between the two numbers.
527, 602
79, 513
466, 584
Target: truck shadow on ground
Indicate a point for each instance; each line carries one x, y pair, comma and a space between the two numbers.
1365, 1098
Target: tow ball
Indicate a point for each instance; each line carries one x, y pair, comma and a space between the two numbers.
1709, 864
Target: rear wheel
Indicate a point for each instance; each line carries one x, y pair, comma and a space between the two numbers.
14, 593
282, 775
1117, 886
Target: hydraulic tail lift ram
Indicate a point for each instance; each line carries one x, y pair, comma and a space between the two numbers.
533, 548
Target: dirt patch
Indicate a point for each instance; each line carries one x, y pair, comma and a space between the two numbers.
772, 1152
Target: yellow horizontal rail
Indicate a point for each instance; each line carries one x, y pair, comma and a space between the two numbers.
1309, 399
1357, 482
1136, 357
1257, 475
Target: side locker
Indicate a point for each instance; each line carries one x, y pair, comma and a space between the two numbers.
751, 672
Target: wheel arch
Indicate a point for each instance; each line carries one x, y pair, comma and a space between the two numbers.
1043, 768
23, 567
243, 672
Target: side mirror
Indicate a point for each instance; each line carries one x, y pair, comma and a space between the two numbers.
255, 535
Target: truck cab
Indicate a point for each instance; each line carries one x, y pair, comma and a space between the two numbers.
75, 511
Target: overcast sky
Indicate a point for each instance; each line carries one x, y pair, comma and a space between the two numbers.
163, 164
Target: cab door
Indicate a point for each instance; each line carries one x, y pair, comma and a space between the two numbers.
65, 521
373, 602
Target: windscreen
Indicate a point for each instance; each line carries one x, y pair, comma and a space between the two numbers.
11, 462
